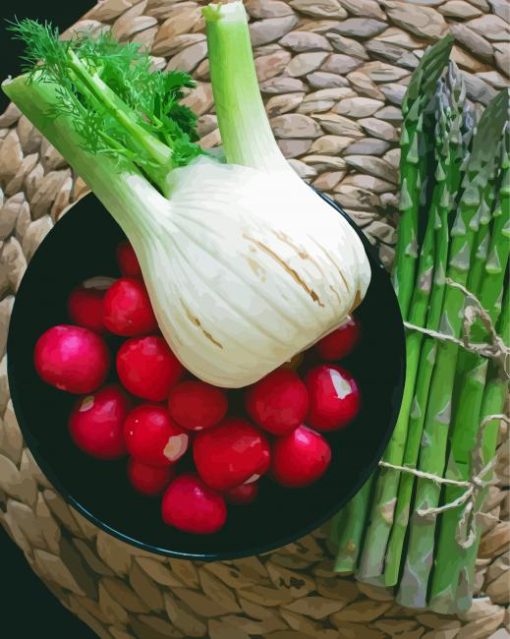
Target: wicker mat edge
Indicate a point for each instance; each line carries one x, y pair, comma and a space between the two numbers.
333, 74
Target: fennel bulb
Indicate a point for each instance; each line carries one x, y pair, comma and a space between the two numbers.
245, 265
254, 283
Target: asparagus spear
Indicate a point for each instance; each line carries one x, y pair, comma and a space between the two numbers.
350, 530
416, 100
482, 238
477, 269
383, 505
450, 150
413, 587
450, 555
494, 401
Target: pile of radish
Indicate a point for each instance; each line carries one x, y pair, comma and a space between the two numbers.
157, 413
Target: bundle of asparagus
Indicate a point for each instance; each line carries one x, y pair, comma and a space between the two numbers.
350, 524
404, 528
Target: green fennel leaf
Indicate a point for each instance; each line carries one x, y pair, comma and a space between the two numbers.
150, 101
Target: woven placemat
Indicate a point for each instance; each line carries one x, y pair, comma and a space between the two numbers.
333, 73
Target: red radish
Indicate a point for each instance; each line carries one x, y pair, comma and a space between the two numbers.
243, 494
334, 397
95, 423
340, 342
72, 358
147, 368
152, 437
85, 308
300, 458
149, 480
231, 454
191, 506
196, 405
127, 260
278, 402
127, 309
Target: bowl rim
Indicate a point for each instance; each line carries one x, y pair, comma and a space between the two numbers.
263, 548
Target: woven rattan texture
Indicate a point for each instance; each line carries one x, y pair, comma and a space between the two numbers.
333, 73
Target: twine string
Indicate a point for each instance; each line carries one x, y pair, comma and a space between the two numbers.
466, 529
496, 349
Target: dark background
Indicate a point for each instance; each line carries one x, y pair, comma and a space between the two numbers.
62, 13
27, 609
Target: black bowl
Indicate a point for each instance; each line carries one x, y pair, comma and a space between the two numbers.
82, 245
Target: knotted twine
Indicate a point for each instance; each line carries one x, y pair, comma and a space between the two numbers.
497, 350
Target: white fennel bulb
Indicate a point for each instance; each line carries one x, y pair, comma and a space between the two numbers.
244, 263
252, 283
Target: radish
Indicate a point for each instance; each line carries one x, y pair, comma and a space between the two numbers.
334, 397
340, 342
149, 480
152, 437
127, 309
300, 458
147, 368
127, 260
95, 423
243, 494
191, 506
85, 303
196, 405
278, 402
72, 358
231, 454
85, 308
